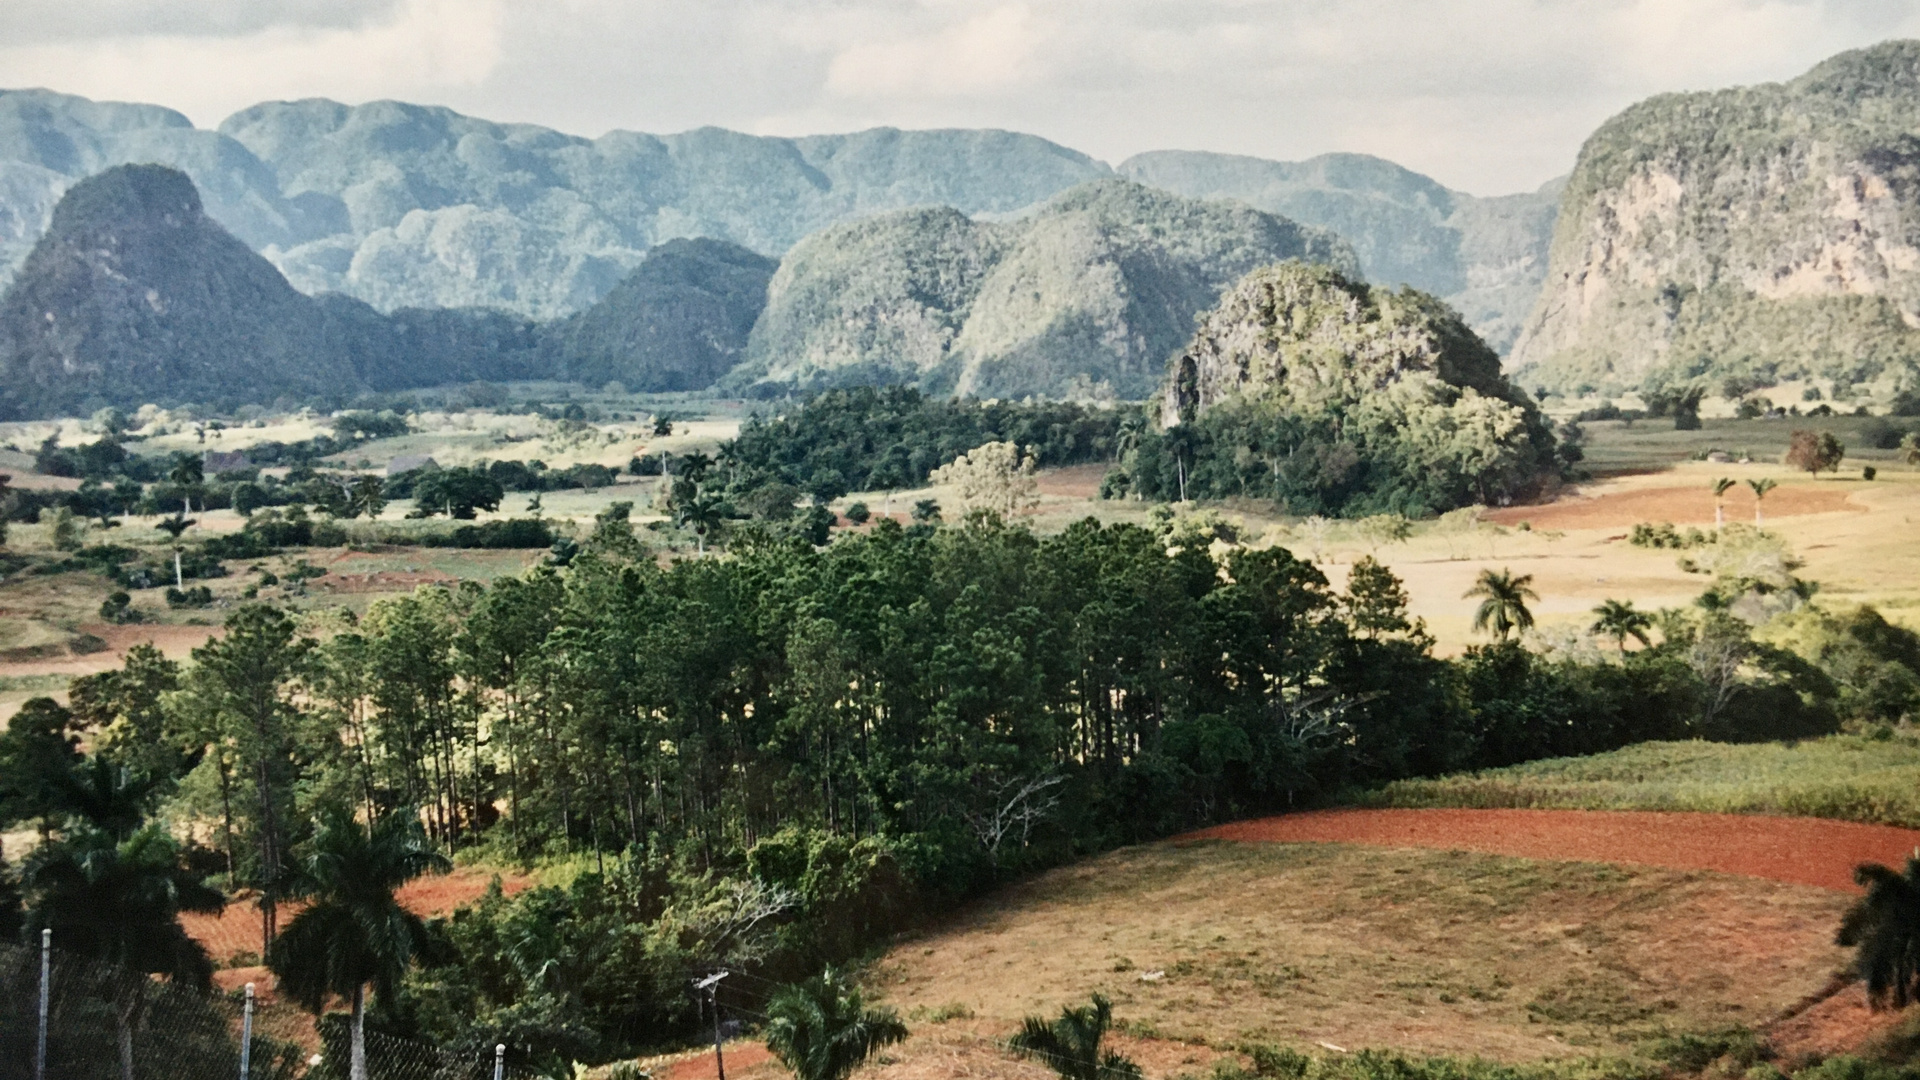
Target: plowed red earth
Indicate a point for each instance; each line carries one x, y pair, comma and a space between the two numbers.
1800, 851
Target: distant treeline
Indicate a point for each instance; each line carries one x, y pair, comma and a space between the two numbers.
875, 439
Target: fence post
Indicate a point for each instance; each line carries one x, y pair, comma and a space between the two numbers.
499, 1061
246, 1036
46, 964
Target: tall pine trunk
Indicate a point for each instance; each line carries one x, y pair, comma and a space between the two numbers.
127, 1017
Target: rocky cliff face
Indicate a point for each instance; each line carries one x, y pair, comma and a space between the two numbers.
1087, 296
1755, 234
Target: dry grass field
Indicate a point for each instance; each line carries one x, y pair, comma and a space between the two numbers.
1210, 945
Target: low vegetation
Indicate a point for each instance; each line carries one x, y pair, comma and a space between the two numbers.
1872, 778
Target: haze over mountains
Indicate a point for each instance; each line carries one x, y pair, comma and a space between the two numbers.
1720, 240
411, 206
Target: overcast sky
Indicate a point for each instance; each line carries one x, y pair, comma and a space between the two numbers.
1488, 96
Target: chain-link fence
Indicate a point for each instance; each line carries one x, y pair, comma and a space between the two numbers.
104, 1023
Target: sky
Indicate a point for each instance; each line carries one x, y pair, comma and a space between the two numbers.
1487, 96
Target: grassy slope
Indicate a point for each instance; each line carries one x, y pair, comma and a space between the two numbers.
1423, 951
1849, 777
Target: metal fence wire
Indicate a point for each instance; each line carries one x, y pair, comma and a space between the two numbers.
105, 1023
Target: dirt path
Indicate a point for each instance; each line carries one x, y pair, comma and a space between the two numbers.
1800, 851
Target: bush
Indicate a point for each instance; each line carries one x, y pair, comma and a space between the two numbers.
197, 596
510, 533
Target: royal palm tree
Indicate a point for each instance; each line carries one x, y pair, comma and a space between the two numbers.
1503, 607
702, 513
355, 934
822, 1030
119, 902
1620, 620
1071, 1044
1884, 926
1720, 489
1760, 489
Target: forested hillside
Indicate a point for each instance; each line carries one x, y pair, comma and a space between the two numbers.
1743, 237
1086, 296
1335, 397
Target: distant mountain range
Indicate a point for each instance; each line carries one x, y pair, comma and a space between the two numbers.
135, 294
1086, 296
409, 206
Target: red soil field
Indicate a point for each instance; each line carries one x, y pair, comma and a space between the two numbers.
1799, 851
1679, 505
236, 930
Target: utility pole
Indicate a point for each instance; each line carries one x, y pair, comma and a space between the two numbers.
711, 984
46, 968
246, 1036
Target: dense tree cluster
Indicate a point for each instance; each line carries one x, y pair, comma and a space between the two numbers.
875, 439
773, 758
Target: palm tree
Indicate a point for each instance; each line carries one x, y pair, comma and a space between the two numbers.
1885, 927
119, 902
1071, 1044
1720, 489
1620, 620
702, 513
355, 933
822, 1030
1760, 489
1504, 607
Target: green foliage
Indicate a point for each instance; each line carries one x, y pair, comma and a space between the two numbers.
821, 1029
1815, 452
1070, 1045
119, 900
885, 438
1332, 397
1503, 607
1884, 928
459, 492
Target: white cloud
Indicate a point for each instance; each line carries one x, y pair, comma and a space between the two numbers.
1486, 95
418, 46
991, 52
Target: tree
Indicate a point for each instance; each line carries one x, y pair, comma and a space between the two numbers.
1504, 605
1376, 599
1620, 620
1070, 1045
1910, 448
459, 493
243, 687
703, 512
1884, 926
1814, 452
1760, 489
119, 902
188, 475
37, 753
822, 1030
1720, 489
355, 934
995, 476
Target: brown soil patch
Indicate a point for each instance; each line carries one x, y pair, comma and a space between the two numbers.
744, 1058
1421, 951
1836, 1024
380, 581
1073, 481
1802, 851
235, 932
1679, 505
175, 641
